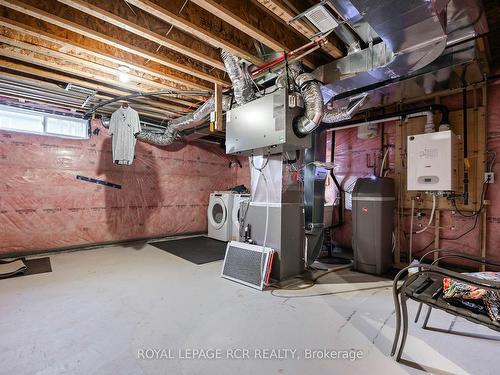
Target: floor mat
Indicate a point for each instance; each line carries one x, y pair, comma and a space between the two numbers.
32, 266
8, 269
197, 250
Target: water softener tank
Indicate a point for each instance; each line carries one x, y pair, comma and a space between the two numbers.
372, 224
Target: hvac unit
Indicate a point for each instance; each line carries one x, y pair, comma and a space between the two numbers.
431, 162
264, 126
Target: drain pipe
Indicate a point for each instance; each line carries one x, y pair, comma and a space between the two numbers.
336, 182
398, 115
465, 139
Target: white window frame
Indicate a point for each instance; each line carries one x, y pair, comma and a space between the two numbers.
80, 129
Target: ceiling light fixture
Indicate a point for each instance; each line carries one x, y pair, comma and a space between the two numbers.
123, 74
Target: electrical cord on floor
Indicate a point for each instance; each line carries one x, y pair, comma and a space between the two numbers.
308, 283
330, 293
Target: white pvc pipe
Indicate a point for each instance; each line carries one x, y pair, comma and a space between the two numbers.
411, 231
383, 162
432, 216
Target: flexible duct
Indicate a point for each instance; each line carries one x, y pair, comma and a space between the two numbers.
332, 116
242, 84
313, 102
295, 68
243, 93
190, 120
157, 138
315, 111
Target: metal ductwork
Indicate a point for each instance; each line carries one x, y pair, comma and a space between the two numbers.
243, 93
195, 118
313, 102
403, 37
242, 84
165, 138
335, 115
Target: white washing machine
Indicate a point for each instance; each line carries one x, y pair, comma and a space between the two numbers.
235, 217
219, 212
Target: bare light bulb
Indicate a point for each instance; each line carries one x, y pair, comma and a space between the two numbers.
123, 77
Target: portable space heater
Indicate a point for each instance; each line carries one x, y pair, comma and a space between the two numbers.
243, 263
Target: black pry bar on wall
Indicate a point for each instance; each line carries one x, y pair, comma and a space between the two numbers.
98, 182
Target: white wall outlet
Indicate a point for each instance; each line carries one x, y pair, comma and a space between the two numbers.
489, 177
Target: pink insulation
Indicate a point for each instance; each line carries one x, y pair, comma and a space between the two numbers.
493, 211
351, 162
43, 205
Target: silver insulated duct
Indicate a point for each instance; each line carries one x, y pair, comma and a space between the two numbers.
195, 118
242, 84
313, 102
243, 93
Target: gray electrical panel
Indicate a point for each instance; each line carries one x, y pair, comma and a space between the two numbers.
372, 224
265, 126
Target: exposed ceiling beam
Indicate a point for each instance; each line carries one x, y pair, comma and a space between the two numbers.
202, 24
147, 106
260, 25
144, 110
75, 42
141, 81
122, 15
44, 74
66, 17
286, 11
39, 59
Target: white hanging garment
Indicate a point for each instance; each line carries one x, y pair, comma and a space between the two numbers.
123, 126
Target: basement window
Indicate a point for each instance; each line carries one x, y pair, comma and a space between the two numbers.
33, 122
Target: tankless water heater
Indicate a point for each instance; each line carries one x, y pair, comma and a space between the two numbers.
432, 161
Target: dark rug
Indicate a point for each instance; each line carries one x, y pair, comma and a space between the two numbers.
33, 266
197, 250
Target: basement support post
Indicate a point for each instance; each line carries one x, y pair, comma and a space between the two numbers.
218, 127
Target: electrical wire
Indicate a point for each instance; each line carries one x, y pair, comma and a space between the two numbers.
475, 214
309, 283
383, 162
491, 163
431, 218
329, 293
476, 219
266, 224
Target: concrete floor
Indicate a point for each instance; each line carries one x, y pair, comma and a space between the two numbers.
98, 308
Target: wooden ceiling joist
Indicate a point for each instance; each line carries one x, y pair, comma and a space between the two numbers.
72, 41
260, 25
71, 19
143, 81
39, 59
202, 24
150, 107
32, 42
286, 10
121, 14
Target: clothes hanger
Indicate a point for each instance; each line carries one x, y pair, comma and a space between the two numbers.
125, 105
